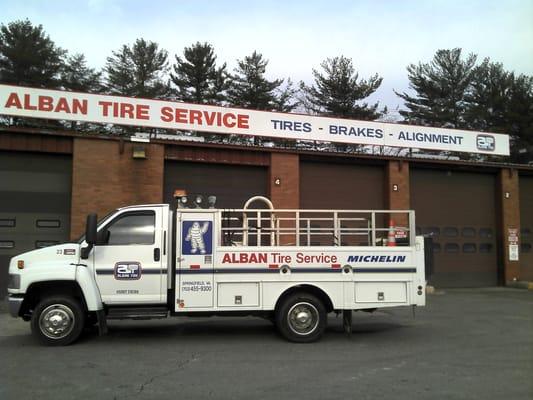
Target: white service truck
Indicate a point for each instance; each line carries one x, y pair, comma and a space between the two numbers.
151, 261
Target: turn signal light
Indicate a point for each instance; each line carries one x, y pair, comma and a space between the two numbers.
20, 264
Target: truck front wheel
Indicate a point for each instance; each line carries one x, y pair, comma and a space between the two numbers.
57, 321
301, 318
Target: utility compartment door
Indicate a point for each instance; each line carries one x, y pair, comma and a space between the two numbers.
195, 244
380, 292
238, 294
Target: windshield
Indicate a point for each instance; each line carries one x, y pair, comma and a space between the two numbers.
100, 222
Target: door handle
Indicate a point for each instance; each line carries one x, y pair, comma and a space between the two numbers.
157, 254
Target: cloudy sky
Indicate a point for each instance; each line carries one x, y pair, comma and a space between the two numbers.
381, 36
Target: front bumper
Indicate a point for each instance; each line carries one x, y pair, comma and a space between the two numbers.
14, 303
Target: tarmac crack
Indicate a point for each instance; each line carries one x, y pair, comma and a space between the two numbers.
179, 366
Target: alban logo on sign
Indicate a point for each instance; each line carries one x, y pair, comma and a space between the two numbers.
128, 270
486, 142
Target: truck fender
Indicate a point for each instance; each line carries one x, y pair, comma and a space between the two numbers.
308, 288
85, 279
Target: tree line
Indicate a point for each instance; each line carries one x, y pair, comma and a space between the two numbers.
452, 90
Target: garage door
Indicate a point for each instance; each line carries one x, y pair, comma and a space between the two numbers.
345, 187
231, 184
341, 186
526, 223
458, 210
35, 191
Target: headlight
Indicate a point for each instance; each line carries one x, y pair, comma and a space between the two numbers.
13, 281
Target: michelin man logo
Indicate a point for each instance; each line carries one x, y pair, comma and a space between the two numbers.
197, 237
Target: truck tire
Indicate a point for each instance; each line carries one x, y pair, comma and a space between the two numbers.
57, 321
301, 318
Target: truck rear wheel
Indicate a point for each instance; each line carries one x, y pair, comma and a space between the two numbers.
301, 318
57, 321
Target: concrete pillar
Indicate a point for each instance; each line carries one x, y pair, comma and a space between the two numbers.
509, 221
106, 176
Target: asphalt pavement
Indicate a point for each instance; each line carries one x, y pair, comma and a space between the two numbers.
466, 344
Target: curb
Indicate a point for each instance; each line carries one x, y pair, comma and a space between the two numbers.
431, 290
520, 285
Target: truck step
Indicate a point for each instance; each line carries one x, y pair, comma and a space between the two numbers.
137, 313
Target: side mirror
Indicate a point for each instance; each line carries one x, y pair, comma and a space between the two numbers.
90, 235
90, 229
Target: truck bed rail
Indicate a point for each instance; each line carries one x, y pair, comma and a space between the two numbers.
263, 227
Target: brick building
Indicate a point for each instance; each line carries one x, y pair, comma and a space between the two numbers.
51, 180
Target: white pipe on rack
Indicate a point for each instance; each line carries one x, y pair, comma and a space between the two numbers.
255, 198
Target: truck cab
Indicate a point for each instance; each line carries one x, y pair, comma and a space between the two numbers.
128, 244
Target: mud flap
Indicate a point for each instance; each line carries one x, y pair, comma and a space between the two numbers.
347, 321
102, 322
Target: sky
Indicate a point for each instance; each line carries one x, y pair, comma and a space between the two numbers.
380, 36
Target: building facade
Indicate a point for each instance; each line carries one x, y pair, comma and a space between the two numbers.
478, 214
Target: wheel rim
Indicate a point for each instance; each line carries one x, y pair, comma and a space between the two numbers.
56, 321
303, 318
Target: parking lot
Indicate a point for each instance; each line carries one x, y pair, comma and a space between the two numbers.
466, 344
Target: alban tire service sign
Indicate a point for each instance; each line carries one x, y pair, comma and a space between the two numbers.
20, 101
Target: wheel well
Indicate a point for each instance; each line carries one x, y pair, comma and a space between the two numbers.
319, 293
39, 290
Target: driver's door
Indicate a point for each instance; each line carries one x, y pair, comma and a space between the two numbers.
127, 257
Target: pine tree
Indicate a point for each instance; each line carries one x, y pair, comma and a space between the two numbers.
519, 118
77, 76
196, 76
338, 91
285, 97
139, 70
440, 87
486, 98
249, 87
500, 102
28, 56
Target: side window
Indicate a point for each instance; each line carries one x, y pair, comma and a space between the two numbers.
485, 247
468, 232
469, 248
485, 233
132, 228
8, 223
451, 248
451, 231
431, 231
